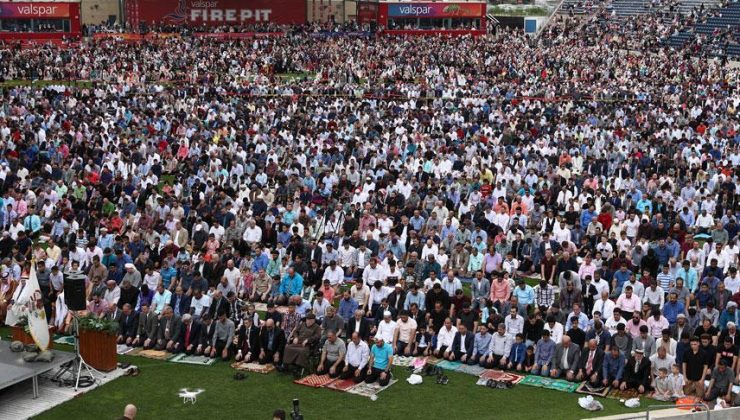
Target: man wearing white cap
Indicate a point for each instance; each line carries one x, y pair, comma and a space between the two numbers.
112, 293
386, 327
132, 274
381, 360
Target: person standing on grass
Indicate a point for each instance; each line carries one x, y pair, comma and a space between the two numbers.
694, 368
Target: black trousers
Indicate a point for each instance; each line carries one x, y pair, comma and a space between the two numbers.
350, 374
327, 366
269, 358
375, 376
220, 346
45, 290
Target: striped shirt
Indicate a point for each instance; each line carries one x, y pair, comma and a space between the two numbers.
665, 280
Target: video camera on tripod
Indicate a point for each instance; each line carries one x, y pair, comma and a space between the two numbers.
296, 413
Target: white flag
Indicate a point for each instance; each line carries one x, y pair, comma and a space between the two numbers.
30, 303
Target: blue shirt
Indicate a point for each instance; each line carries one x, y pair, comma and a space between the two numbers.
167, 275
347, 308
621, 277
526, 296
417, 223
613, 368
663, 253
545, 351
671, 311
291, 286
517, 353
586, 217
381, 355
260, 262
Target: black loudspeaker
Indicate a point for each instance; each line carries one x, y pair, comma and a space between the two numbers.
74, 292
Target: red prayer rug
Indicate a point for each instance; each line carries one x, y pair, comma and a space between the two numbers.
314, 381
340, 384
500, 375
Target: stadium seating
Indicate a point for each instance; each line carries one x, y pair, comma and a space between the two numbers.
719, 20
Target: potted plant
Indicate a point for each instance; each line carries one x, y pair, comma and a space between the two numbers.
98, 341
21, 332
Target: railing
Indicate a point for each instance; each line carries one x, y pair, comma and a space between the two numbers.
695, 405
549, 18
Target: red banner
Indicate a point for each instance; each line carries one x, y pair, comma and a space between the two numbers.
218, 12
34, 10
127, 36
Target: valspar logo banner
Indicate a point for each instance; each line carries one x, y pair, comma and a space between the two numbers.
33, 10
434, 10
220, 12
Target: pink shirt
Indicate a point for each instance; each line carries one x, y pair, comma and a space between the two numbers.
500, 291
629, 304
655, 328
634, 329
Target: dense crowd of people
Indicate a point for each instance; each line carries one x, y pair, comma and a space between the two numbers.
565, 206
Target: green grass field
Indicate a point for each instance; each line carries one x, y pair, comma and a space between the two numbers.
155, 391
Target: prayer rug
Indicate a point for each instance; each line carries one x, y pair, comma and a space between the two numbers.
314, 381
403, 361
500, 375
474, 370
419, 362
155, 354
549, 383
253, 367
618, 394
193, 360
340, 384
123, 349
368, 390
448, 365
135, 351
585, 388
431, 360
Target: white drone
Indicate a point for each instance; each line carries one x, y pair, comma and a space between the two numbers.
189, 396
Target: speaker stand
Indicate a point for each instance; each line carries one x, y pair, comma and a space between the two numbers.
75, 366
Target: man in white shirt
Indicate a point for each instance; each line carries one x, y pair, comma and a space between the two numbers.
605, 306
372, 273
112, 293
355, 359
386, 328
600, 284
555, 328
444, 338
199, 304
654, 295
334, 274
252, 234
732, 281
451, 284
514, 323
346, 257
616, 319
232, 274
152, 278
